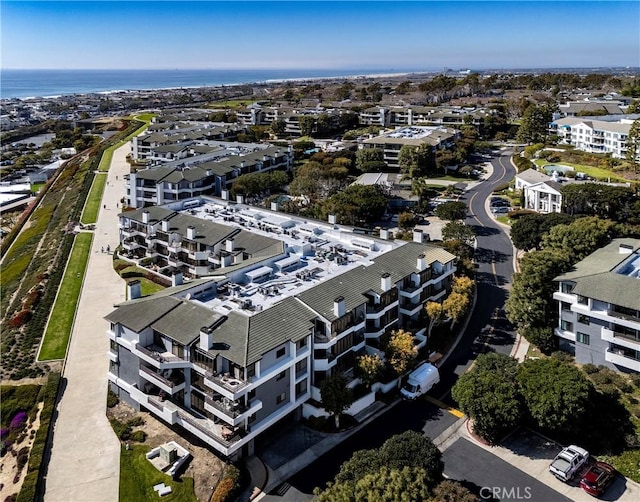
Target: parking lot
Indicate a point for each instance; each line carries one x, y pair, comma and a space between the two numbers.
532, 454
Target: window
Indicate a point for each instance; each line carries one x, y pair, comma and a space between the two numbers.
584, 319
566, 287
566, 325
280, 352
301, 388
582, 338
281, 397
114, 346
300, 344
565, 306
583, 300
281, 375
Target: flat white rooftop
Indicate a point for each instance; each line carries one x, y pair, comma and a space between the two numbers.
315, 252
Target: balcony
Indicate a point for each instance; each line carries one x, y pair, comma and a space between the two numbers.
171, 385
567, 335
618, 358
159, 357
224, 381
230, 411
622, 339
621, 315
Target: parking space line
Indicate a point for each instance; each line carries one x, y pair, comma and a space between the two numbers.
445, 407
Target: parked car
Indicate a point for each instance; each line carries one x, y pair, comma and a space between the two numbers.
568, 462
499, 202
597, 478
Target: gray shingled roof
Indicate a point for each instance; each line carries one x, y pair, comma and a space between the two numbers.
533, 176
249, 337
139, 315
352, 285
594, 276
183, 322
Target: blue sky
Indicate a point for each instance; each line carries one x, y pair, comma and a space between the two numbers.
330, 34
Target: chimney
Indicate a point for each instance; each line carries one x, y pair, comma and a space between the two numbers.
209, 172
332, 219
229, 245
191, 232
274, 206
134, 290
224, 194
384, 233
240, 199
422, 263
339, 307
165, 225
385, 281
242, 164
145, 216
176, 279
418, 235
206, 337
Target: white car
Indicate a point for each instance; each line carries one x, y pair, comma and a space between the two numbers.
568, 462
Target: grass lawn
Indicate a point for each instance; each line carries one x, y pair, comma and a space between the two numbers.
35, 187
504, 220
92, 205
138, 476
107, 156
595, 172
231, 103
56, 337
148, 287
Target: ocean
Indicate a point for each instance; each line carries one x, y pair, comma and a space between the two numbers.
45, 83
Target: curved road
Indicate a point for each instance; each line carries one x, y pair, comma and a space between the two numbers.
488, 330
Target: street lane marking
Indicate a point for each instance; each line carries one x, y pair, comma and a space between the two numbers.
445, 407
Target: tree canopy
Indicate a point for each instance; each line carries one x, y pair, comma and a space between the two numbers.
594, 199
336, 396
534, 126
489, 395
401, 350
556, 393
451, 211
357, 204
527, 231
370, 160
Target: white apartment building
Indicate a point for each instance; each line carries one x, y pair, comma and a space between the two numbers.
594, 135
599, 307
229, 355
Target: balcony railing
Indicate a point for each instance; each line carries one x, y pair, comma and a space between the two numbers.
154, 374
158, 354
232, 409
225, 381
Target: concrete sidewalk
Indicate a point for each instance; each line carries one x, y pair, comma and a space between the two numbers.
85, 458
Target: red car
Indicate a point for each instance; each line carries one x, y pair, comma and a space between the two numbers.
597, 478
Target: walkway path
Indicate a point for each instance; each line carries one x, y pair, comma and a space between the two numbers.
85, 459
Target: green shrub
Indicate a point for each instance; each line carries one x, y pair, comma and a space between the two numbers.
112, 399
130, 272
589, 368
135, 422
635, 380
139, 436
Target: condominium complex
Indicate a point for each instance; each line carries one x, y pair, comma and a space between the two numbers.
595, 134
446, 116
287, 303
390, 143
599, 307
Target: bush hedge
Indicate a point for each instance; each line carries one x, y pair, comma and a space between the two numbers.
32, 487
522, 164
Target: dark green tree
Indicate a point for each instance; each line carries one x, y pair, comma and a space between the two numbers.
580, 238
415, 161
633, 144
451, 211
307, 125
278, 126
489, 395
458, 231
530, 301
370, 160
556, 394
336, 396
357, 204
535, 124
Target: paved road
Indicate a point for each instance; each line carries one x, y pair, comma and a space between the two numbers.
419, 415
486, 474
488, 329
85, 458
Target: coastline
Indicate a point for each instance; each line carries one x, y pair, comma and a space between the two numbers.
123, 88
